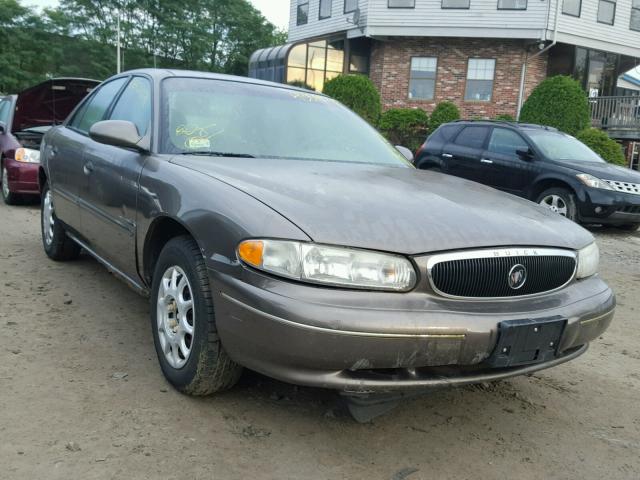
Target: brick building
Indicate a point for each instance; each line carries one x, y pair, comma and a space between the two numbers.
484, 55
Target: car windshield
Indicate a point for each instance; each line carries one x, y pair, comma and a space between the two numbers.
231, 118
562, 147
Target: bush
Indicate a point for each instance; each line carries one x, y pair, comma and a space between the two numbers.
558, 102
443, 113
603, 145
358, 93
405, 126
300, 84
505, 117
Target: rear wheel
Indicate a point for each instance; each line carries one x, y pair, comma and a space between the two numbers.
8, 197
57, 245
183, 320
560, 201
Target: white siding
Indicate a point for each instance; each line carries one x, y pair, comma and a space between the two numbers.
316, 28
586, 31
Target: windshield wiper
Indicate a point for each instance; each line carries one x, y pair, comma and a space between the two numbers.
218, 154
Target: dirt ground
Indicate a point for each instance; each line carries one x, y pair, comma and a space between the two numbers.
82, 396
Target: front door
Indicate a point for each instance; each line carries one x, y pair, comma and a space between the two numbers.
113, 174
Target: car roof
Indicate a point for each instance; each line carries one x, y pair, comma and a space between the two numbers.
162, 73
505, 123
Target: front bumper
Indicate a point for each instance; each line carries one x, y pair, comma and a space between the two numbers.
23, 177
362, 341
609, 207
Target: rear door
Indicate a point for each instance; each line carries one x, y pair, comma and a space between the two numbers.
110, 216
461, 156
503, 168
65, 154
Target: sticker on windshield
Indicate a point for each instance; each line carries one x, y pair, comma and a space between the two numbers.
198, 143
198, 138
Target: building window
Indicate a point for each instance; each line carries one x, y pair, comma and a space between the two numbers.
422, 79
635, 16
350, 6
480, 74
401, 3
325, 9
311, 64
512, 4
606, 12
572, 7
303, 12
456, 3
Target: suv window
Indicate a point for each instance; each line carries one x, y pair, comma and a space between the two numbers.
5, 110
472, 137
95, 108
506, 142
134, 104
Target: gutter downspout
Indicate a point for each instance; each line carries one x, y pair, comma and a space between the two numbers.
523, 73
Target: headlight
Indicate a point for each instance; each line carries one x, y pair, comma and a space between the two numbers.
27, 155
336, 266
588, 260
593, 182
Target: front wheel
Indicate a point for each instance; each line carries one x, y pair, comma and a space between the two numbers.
8, 197
560, 201
183, 320
57, 245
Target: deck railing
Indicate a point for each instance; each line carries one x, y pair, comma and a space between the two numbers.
615, 113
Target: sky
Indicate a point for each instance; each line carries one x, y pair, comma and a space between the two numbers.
276, 11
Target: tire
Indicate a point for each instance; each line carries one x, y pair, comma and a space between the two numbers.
8, 197
57, 245
560, 200
630, 227
204, 367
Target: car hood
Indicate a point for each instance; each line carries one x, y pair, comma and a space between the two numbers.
399, 210
605, 171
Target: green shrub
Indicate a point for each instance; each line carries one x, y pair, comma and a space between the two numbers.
505, 117
358, 93
405, 126
443, 113
300, 84
603, 145
558, 102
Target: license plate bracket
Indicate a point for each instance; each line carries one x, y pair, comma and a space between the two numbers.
527, 341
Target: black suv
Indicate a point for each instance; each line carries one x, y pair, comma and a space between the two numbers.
540, 164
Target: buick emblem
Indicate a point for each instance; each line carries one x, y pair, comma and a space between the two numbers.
517, 276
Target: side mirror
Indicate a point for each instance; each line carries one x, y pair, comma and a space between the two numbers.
119, 133
525, 154
406, 153
3, 127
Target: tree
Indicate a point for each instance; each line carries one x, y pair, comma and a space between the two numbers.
444, 112
358, 93
558, 102
603, 145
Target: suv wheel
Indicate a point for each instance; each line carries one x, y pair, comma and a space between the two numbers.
189, 350
57, 245
8, 197
560, 201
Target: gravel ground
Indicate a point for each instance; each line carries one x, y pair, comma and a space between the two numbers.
82, 396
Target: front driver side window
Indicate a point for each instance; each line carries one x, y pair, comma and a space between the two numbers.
96, 107
506, 142
134, 105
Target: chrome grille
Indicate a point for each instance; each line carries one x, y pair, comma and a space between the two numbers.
485, 273
625, 187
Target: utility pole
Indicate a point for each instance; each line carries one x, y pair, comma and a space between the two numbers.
118, 46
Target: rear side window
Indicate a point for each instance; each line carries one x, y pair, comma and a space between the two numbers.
134, 104
5, 110
506, 142
96, 107
472, 137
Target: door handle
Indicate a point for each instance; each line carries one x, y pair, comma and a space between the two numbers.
486, 160
53, 151
447, 155
88, 168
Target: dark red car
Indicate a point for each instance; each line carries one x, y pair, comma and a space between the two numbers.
24, 119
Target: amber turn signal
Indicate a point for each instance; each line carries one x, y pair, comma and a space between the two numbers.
250, 251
